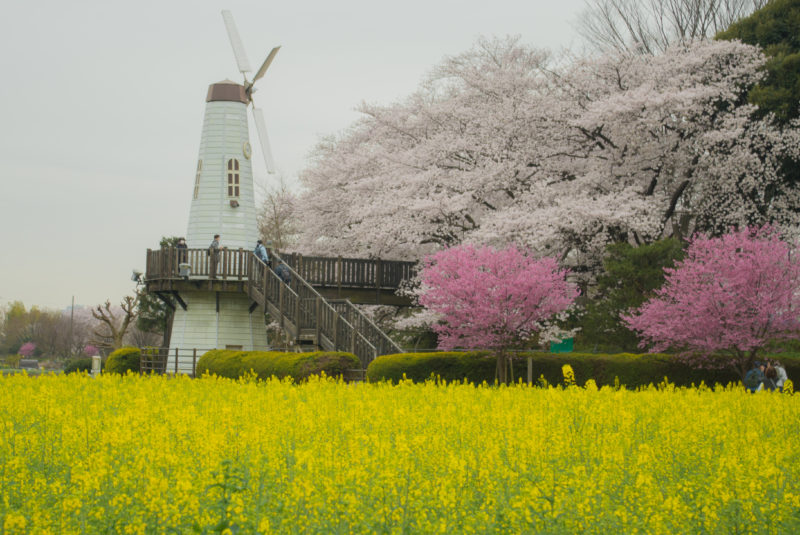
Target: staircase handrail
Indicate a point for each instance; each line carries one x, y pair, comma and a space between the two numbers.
377, 330
365, 358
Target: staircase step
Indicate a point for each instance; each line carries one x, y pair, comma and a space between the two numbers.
299, 300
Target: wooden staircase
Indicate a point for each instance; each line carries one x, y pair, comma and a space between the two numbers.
310, 319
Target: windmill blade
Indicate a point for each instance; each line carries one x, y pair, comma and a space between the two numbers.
236, 42
261, 126
265, 65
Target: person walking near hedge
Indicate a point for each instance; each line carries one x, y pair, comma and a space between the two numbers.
780, 371
754, 379
770, 377
213, 253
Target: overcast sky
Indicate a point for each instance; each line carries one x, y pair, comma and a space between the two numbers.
101, 106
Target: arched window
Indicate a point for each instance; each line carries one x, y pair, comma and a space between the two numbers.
233, 177
197, 178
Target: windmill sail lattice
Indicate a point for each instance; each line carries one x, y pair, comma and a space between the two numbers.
236, 42
244, 68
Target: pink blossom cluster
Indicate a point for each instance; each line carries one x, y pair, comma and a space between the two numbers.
492, 298
27, 349
732, 294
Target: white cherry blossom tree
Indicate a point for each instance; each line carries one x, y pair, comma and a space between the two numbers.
509, 144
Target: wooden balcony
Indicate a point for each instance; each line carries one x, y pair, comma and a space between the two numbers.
300, 310
362, 281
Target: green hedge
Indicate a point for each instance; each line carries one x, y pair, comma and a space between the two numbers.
123, 360
632, 370
83, 364
265, 364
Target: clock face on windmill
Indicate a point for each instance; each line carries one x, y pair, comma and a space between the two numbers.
246, 150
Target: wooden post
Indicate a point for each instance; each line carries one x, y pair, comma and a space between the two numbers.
176, 361
339, 277
530, 371
264, 288
194, 362
300, 266
318, 320
378, 275
280, 303
335, 330
239, 263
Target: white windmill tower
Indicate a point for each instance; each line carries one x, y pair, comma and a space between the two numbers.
223, 203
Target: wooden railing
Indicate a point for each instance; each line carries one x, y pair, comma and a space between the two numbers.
316, 270
231, 264
351, 272
373, 333
297, 307
165, 360
341, 327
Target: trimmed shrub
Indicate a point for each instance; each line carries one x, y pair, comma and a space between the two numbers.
78, 365
265, 364
12, 361
475, 367
631, 370
123, 360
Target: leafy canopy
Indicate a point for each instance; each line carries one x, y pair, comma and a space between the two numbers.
776, 29
630, 276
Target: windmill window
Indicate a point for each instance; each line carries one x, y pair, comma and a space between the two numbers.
233, 177
197, 178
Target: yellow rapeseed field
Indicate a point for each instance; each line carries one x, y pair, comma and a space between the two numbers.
175, 455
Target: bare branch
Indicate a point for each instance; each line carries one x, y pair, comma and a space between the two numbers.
651, 26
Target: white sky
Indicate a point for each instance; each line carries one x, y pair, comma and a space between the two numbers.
101, 106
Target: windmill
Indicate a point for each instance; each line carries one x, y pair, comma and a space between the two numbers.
244, 67
223, 202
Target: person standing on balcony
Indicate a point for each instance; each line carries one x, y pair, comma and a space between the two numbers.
213, 253
181, 247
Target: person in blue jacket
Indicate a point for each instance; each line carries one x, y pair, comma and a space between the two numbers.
261, 252
754, 379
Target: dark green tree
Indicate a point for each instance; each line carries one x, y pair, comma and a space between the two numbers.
154, 314
776, 29
630, 276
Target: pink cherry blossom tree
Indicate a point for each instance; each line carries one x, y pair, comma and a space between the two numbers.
490, 298
27, 349
730, 295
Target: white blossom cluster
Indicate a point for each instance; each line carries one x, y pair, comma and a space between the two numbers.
506, 143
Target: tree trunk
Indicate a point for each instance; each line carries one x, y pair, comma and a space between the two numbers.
502, 368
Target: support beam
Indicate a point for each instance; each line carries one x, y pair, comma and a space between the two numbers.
178, 298
166, 301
